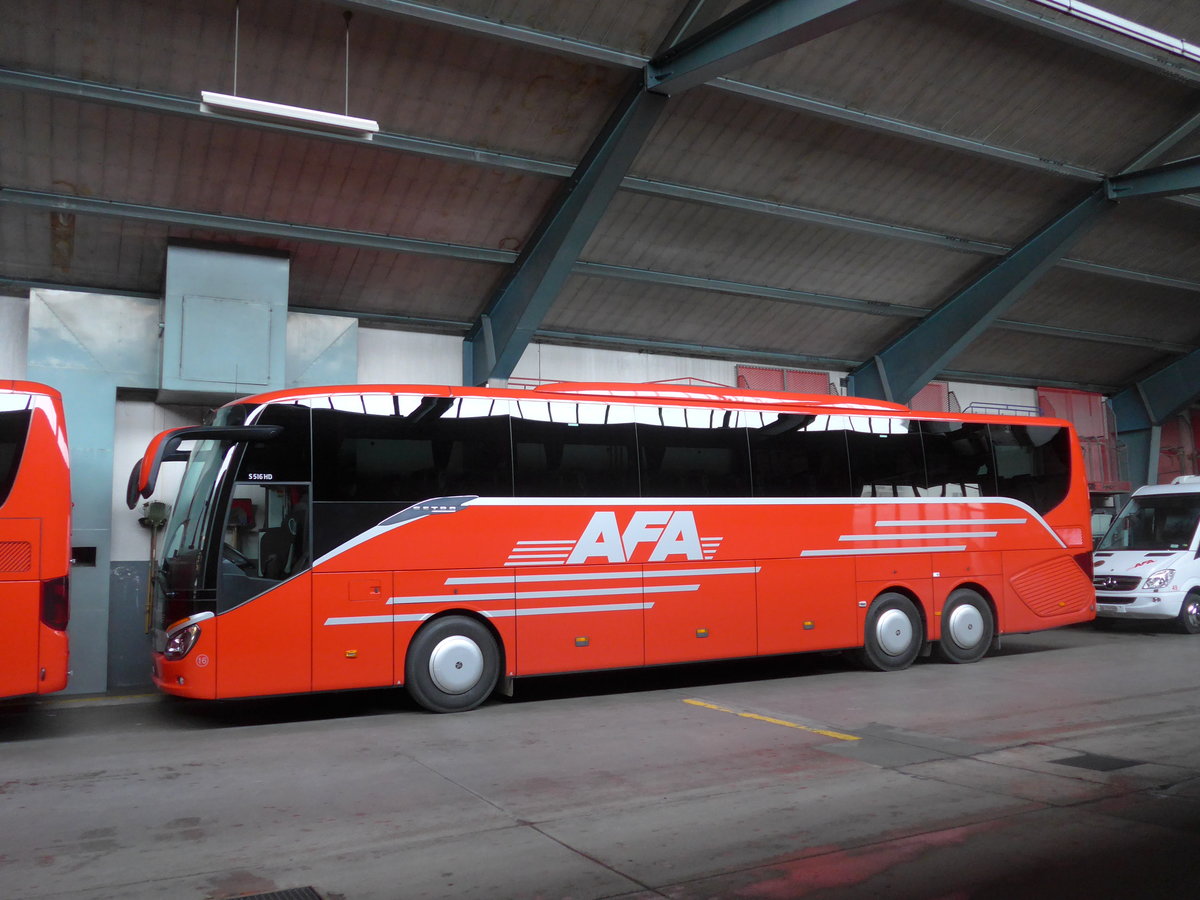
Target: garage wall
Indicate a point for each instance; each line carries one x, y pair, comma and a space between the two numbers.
14, 328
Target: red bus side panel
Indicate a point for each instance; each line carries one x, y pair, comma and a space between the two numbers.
19, 609
265, 646
579, 619
806, 604
352, 642
706, 611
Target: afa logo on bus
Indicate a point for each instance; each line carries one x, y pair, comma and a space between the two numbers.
669, 535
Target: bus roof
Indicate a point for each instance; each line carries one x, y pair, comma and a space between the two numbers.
649, 392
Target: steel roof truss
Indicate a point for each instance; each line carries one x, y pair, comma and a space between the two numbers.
915, 358
494, 345
753, 31
1155, 399
1179, 177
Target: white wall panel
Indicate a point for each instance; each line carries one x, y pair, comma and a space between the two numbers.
550, 362
399, 357
14, 331
137, 422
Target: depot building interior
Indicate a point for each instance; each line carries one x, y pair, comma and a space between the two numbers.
960, 205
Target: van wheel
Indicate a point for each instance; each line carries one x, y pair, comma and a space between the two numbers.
893, 634
1188, 620
967, 627
453, 665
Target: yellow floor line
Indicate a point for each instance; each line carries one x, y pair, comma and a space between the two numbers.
837, 735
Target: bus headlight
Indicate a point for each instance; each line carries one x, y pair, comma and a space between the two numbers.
1159, 579
179, 643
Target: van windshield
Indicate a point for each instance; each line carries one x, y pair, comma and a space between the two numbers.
1154, 522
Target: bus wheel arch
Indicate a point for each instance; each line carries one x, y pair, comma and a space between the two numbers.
968, 625
453, 663
894, 632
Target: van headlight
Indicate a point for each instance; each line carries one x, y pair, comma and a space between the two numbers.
179, 643
1159, 579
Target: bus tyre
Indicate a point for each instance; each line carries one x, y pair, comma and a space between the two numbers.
967, 627
1188, 620
453, 665
893, 634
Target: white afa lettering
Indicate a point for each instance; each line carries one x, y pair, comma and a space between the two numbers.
672, 534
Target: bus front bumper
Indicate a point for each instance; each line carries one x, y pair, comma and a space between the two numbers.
1139, 604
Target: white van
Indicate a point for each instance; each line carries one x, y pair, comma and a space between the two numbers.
1147, 566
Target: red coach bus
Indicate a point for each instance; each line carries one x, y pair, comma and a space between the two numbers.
35, 539
451, 539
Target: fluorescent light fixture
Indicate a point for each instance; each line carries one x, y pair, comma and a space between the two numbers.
244, 107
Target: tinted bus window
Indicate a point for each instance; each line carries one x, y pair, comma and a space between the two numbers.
687, 452
14, 426
958, 460
799, 456
886, 457
282, 458
1033, 463
573, 450
438, 447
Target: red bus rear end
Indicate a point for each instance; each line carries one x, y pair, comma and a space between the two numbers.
35, 540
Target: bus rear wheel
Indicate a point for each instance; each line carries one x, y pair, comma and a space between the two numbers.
967, 627
893, 634
453, 664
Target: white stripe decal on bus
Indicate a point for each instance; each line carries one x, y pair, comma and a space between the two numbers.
496, 614
905, 523
605, 576
879, 551
928, 535
541, 595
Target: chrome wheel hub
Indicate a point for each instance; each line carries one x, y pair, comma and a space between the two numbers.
965, 626
894, 632
456, 664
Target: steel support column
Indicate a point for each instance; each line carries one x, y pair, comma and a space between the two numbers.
496, 341
753, 31
903, 368
1179, 177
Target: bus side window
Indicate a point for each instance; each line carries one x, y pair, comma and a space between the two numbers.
887, 458
958, 460
1033, 464
799, 456
684, 452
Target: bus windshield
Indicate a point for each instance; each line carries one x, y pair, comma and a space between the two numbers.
1154, 522
197, 499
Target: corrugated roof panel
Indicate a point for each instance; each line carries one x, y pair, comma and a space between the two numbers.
1154, 235
111, 153
391, 283
410, 76
1070, 299
740, 146
955, 69
691, 239
1051, 359
634, 26
619, 308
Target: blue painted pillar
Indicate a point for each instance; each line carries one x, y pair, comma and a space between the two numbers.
87, 345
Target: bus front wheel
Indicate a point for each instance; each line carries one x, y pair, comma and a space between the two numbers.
1188, 620
893, 634
452, 665
967, 627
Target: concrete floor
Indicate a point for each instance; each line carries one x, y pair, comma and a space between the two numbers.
1067, 765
